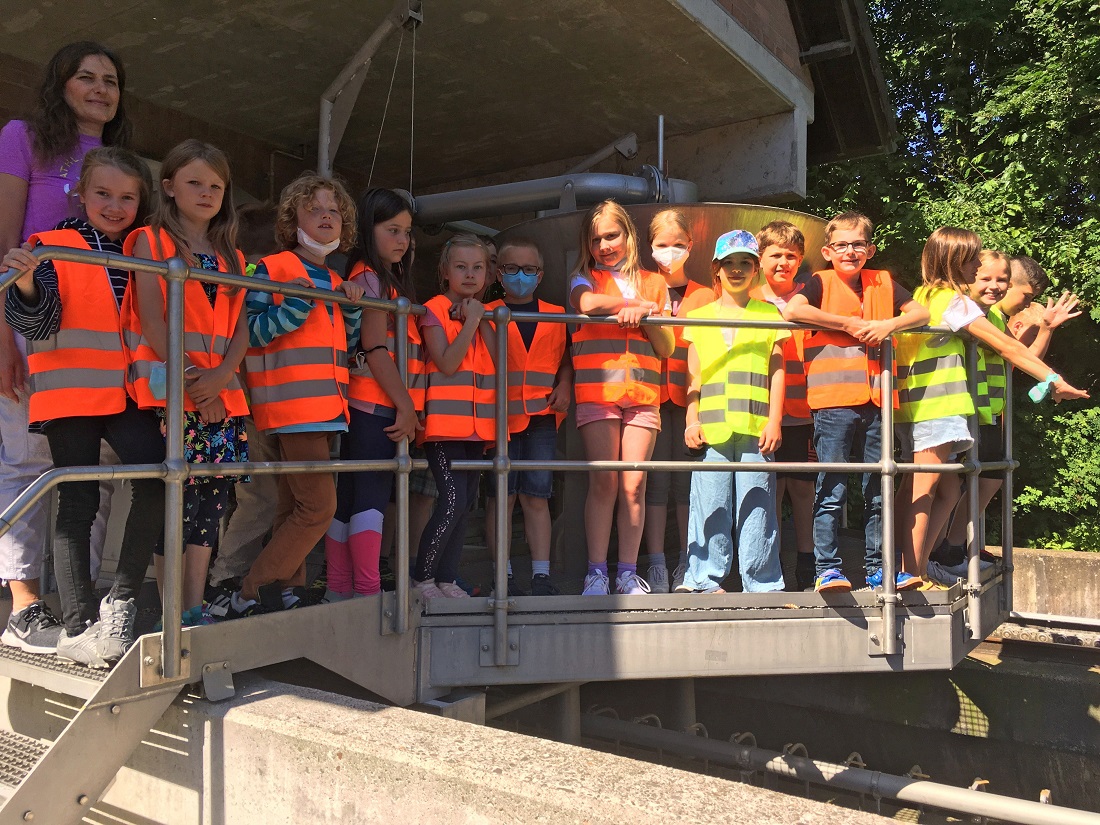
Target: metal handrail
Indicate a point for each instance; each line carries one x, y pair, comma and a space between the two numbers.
175, 470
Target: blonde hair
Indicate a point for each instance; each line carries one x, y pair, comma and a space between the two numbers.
222, 230
850, 220
465, 241
987, 255
782, 233
586, 262
520, 243
945, 252
128, 164
300, 192
669, 217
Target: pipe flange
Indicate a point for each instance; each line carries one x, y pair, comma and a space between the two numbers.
658, 185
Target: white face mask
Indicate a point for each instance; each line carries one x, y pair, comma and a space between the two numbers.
321, 249
669, 256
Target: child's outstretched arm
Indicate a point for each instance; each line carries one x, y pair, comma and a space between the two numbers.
913, 314
1054, 315
1020, 357
693, 429
772, 436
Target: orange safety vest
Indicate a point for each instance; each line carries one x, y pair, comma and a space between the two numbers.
207, 330
363, 386
839, 370
531, 373
612, 364
674, 370
460, 406
300, 377
80, 369
795, 404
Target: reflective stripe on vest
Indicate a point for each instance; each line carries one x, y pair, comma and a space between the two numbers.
840, 371
462, 405
733, 393
532, 373
991, 376
932, 368
207, 329
300, 377
80, 369
795, 404
613, 364
364, 387
674, 369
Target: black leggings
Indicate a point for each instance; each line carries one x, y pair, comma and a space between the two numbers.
441, 545
74, 442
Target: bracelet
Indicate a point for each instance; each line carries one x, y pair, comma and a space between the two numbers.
1040, 390
372, 349
692, 426
188, 368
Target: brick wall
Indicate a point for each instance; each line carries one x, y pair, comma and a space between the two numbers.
769, 22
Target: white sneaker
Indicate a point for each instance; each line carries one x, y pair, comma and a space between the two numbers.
631, 584
452, 590
596, 584
678, 576
959, 571
428, 590
658, 579
942, 575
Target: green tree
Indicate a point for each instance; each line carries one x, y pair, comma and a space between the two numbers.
998, 108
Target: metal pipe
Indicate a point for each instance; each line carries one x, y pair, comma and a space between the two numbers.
531, 196
401, 480
567, 465
1007, 537
827, 774
501, 317
973, 539
528, 697
172, 590
890, 597
661, 143
627, 146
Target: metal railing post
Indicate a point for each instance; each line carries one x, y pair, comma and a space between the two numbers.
401, 479
973, 533
888, 469
1007, 537
501, 465
172, 601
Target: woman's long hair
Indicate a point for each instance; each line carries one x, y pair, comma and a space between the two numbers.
378, 206
53, 124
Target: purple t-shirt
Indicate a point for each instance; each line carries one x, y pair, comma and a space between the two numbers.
47, 201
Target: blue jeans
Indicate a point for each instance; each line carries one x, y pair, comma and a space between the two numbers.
719, 501
837, 430
539, 442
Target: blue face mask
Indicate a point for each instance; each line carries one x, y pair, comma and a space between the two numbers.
521, 285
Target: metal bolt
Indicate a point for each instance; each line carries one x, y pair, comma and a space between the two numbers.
485, 648
874, 639
388, 614
185, 654
28, 816
148, 661
82, 799
513, 646
225, 665
116, 710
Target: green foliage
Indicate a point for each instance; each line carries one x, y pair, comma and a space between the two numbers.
998, 109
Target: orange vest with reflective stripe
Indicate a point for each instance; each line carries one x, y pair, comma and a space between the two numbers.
207, 330
363, 387
795, 404
674, 371
80, 369
612, 364
531, 373
839, 370
460, 406
301, 377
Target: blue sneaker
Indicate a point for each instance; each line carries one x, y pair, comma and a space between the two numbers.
903, 581
832, 580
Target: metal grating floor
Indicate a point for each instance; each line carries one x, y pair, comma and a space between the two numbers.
18, 754
52, 663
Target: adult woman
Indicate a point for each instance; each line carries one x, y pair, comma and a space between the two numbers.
79, 107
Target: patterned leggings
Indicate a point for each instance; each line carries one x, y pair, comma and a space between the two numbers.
441, 545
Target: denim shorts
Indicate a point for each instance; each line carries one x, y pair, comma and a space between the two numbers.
924, 435
539, 442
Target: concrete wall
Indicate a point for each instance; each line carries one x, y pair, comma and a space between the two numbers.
1060, 582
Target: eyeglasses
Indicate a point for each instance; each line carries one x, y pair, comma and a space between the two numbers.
856, 246
515, 269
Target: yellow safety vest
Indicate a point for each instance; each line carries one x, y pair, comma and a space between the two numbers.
991, 375
733, 392
932, 368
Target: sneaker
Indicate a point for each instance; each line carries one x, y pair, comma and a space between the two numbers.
471, 589
81, 649
658, 579
928, 584
631, 584
240, 608
832, 580
317, 588
116, 628
542, 586
386, 575
804, 571
514, 590
452, 590
678, 576
714, 591
33, 629
197, 617
940, 574
596, 584
903, 581
428, 590
216, 600
960, 570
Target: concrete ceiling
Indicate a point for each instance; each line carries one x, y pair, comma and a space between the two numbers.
500, 84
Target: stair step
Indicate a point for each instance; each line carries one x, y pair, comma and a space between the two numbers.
18, 754
50, 672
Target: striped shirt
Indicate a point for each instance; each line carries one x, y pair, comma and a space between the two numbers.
268, 320
40, 321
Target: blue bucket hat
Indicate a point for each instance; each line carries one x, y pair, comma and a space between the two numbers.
738, 240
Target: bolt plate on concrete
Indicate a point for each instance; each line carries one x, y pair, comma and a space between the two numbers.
485, 647
152, 668
217, 681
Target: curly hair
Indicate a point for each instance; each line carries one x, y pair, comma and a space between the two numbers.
53, 124
299, 192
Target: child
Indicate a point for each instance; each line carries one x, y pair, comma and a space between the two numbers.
540, 384
250, 521
932, 381
735, 412
459, 409
70, 315
782, 248
195, 220
297, 376
617, 373
859, 309
1027, 322
383, 412
670, 241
